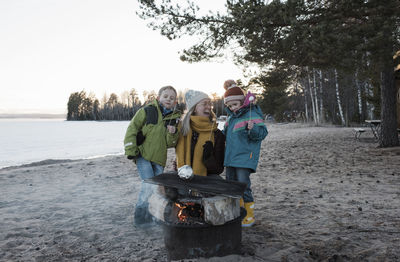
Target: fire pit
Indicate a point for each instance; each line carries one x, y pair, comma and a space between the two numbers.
200, 218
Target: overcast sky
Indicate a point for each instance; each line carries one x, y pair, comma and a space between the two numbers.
51, 48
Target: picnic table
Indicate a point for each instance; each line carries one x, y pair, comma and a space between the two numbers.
375, 126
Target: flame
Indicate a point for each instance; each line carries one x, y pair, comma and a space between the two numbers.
182, 215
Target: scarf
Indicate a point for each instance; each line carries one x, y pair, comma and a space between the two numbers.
205, 129
164, 111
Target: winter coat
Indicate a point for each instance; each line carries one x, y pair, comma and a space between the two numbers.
149, 124
243, 145
190, 153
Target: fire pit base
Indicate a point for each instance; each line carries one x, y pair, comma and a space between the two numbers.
183, 241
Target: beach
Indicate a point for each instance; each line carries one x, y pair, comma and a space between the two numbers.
320, 195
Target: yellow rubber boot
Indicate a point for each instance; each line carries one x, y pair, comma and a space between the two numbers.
241, 202
249, 220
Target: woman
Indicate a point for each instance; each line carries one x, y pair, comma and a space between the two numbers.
201, 144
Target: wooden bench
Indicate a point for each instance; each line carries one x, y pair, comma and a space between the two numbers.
358, 132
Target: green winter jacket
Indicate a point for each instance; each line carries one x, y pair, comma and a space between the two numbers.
156, 136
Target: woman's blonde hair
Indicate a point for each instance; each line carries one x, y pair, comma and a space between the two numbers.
186, 120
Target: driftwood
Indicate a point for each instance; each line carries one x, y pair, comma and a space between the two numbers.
220, 209
217, 209
159, 206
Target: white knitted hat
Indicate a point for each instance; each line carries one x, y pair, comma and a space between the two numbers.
192, 97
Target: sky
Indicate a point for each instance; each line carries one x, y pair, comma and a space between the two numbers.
52, 48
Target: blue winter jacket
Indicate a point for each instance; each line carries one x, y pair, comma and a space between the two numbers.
243, 145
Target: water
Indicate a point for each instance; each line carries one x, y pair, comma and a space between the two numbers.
24, 141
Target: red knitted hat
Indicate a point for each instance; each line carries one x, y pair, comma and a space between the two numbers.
233, 92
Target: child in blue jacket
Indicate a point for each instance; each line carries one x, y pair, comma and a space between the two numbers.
244, 131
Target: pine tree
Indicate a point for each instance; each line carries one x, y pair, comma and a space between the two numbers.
333, 34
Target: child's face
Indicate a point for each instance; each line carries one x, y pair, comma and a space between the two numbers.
234, 105
167, 99
203, 108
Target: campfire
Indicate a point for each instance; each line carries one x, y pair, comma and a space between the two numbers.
189, 212
200, 217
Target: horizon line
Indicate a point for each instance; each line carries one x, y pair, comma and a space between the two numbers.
31, 115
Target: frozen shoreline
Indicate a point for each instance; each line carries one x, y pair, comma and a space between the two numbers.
51, 161
58, 140
320, 195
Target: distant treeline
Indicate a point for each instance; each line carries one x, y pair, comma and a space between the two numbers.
83, 106
87, 107
319, 96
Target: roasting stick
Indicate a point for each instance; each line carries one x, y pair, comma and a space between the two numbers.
173, 111
251, 99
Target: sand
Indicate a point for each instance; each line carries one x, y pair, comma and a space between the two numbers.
320, 195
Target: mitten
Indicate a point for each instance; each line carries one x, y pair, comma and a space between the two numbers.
208, 150
185, 172
131, 157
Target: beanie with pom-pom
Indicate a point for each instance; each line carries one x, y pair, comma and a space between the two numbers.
233, 92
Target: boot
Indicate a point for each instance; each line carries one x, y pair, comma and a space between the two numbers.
142, 217
241, 202
248, 220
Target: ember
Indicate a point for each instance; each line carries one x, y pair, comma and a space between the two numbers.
189, 211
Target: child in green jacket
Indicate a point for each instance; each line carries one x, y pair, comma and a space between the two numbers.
151, 131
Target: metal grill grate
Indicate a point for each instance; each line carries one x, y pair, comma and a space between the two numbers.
204, 184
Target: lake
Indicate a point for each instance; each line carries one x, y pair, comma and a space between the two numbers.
24, 141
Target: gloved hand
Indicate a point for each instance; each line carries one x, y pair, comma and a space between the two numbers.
131, 157
185, 172
208, 150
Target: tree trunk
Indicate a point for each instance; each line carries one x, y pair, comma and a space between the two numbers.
358, 96
321, 103
312, 97
316, 98
389, 136
338, 98
305, 101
